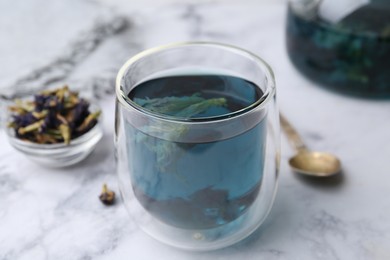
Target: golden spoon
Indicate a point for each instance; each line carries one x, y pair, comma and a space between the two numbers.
318, 164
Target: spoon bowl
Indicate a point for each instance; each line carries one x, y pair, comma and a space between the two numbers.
317, 164
311, 163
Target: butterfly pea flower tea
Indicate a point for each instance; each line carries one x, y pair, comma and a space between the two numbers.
196, 143
343, 45
197, 184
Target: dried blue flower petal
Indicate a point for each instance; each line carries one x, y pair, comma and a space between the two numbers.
24, 120
81, 111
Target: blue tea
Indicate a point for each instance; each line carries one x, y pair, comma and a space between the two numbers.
208, 181
350, 56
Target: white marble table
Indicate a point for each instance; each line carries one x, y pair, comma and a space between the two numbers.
55, 213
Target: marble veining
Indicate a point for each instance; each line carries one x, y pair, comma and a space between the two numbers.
60, 68
55, 213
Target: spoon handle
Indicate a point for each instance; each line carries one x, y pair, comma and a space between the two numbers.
292, 134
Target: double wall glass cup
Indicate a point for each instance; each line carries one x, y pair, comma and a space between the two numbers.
197, 141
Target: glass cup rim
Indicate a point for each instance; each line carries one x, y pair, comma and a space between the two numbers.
260, 103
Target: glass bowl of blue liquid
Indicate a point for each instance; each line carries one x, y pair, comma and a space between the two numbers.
197, 143
343, 45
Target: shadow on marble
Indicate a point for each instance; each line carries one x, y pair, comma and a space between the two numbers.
334, 182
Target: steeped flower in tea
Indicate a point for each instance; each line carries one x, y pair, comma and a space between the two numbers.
180, 107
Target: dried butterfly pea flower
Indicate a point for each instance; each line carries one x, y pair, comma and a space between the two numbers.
54, 116
40, 115
47, 139
88, 122
30, 128
107, 196
65, 133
